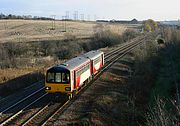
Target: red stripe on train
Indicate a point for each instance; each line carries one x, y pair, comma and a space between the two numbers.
96, 70
78, 81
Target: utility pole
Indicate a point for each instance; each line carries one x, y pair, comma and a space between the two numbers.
67, 15
95, 17
5, 25
53, 22
82, 17
88, 17
64, 23
76, 15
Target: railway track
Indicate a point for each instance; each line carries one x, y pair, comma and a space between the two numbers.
41, 116
14, 98
113, 57
124, 46
11, 112
28, 111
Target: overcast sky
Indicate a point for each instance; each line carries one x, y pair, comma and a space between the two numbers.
103, 9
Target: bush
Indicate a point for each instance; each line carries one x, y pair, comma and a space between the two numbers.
129, 34
150, 25
102, 37
69, 37
105, 36
68, 50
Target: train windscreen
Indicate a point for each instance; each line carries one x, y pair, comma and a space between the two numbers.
59, 77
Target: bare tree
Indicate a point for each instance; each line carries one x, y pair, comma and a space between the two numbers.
159, 116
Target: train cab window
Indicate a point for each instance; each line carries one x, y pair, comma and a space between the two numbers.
50, 77
65, 77
58, 77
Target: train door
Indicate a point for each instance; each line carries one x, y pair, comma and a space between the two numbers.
74, 79
102, 56
91, 67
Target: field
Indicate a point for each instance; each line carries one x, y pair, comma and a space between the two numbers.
38, 30
30, 46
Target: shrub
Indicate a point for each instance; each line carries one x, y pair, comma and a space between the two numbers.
129, 34
68, 50
102, 37
150, 25
69, 37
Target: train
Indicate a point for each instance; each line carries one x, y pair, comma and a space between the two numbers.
69, 77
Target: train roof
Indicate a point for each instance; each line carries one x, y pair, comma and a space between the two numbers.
74, 63
93, 54
57, 68
77, 61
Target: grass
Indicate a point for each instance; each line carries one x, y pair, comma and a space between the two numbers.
32, 30
11, 73
20, 82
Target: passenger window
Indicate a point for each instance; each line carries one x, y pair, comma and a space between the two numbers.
50, 77
65, 77
58, 77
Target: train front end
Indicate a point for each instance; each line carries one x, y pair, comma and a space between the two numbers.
58, 80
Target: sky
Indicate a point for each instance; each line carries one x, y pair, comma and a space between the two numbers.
158, 10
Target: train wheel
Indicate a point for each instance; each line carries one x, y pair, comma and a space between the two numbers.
70, 96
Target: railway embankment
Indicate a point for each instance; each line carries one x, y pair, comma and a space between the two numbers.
155, 84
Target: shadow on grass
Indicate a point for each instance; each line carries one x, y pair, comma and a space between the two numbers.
18, 83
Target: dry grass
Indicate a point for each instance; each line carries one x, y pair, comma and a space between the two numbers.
33, 30
20, 82
11, 73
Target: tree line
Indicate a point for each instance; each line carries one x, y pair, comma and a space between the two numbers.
25, 17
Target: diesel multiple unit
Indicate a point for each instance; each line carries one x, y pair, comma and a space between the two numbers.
70, 76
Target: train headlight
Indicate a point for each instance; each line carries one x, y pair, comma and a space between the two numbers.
68, 88
48, 88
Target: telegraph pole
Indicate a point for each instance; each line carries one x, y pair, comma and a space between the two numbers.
95, 17
76, 15
88, 17
64, 23
82, 17
53, 21
67, 15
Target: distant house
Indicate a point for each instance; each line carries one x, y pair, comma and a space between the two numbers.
134, 21
102, 21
